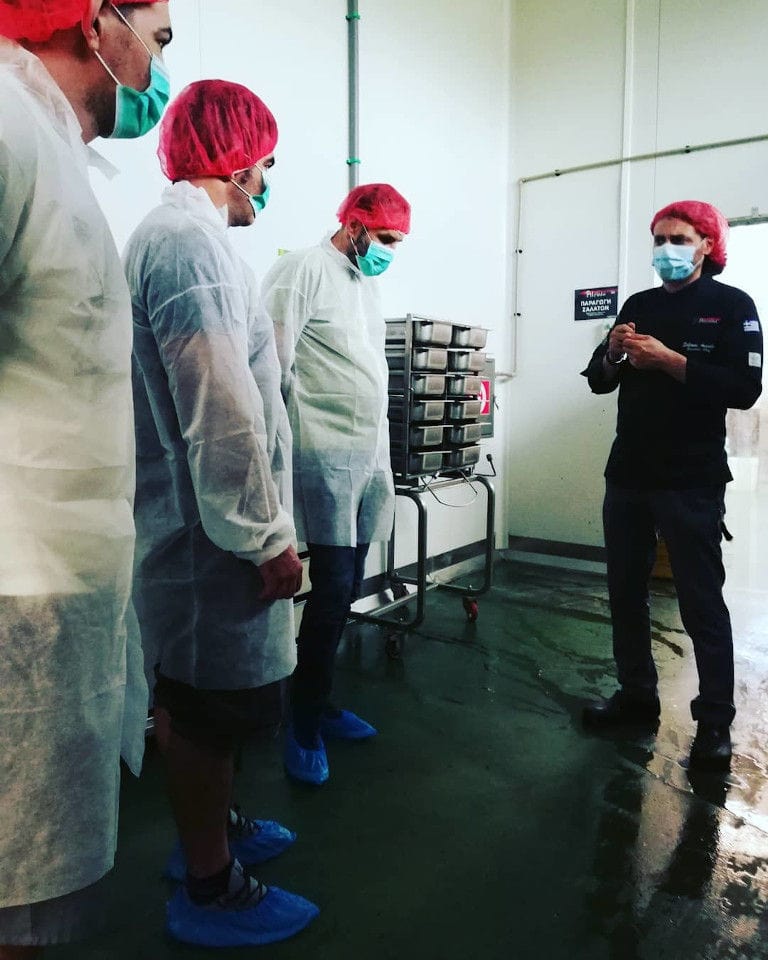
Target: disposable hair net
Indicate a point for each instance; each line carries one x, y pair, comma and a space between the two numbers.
38, 20
706, 220
212, 129
377, 206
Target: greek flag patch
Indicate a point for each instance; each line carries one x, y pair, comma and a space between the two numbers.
751, 326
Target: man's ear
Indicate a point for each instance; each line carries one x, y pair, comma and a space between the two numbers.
354, 228
90, 23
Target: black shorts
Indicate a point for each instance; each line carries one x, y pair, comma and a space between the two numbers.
221, 719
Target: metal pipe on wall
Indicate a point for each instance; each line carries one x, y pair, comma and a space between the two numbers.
626, 144
353, 159
653, 155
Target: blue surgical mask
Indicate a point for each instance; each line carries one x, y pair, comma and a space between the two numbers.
674, 261
375, 260
138, 111
258, 200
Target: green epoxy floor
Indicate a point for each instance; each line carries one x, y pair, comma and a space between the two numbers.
483, 822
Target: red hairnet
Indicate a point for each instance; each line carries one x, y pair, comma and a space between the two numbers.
38, 20
214, 128
705, 220
377, 206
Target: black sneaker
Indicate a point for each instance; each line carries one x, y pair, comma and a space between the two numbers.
621, 710
711, 748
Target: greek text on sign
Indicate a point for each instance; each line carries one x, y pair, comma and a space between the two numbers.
596, 303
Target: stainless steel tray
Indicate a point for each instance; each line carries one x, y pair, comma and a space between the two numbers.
466, 433
430, 436
432, 332
463, 456
422, 384
436, 333
461, 360
474, 337
428, 384
429, 358
464, 385
429, 410
426, 461
464, 409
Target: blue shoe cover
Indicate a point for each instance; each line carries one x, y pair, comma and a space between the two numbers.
277, 916
258, 846
309, 766
347, 726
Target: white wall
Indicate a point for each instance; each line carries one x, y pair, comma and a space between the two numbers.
588, 80
435, 109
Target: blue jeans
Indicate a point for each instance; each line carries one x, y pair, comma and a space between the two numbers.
690, 523
337, 575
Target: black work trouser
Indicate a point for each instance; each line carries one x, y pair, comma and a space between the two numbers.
690, 523
336, 574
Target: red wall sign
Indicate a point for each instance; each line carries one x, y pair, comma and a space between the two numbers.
485, 396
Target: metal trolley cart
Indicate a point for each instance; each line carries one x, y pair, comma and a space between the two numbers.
440, 407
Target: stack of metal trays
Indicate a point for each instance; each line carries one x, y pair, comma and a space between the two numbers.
434, 392
417, 357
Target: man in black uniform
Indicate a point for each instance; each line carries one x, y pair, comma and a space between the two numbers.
681, 355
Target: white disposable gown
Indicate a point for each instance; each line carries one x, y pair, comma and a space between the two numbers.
72, 690
330, 339
213, 453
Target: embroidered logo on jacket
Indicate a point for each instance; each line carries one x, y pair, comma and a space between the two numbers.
708, 319
698, 347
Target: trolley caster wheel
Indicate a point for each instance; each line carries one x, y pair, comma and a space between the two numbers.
393, 647
471, 608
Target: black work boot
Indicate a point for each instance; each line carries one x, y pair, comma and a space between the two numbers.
711, 748
621, 710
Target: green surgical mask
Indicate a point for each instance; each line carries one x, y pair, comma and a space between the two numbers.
138, 111
258, 200
375, 260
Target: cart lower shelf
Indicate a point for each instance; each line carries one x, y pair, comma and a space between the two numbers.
403, 592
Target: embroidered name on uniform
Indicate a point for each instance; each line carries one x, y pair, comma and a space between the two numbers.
754, 359
708, 320
751, 326
698, 347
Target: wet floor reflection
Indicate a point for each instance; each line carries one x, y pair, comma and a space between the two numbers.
693, 860
673, 869
613, 908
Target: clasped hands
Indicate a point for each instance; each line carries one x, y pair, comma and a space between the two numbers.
642, 351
